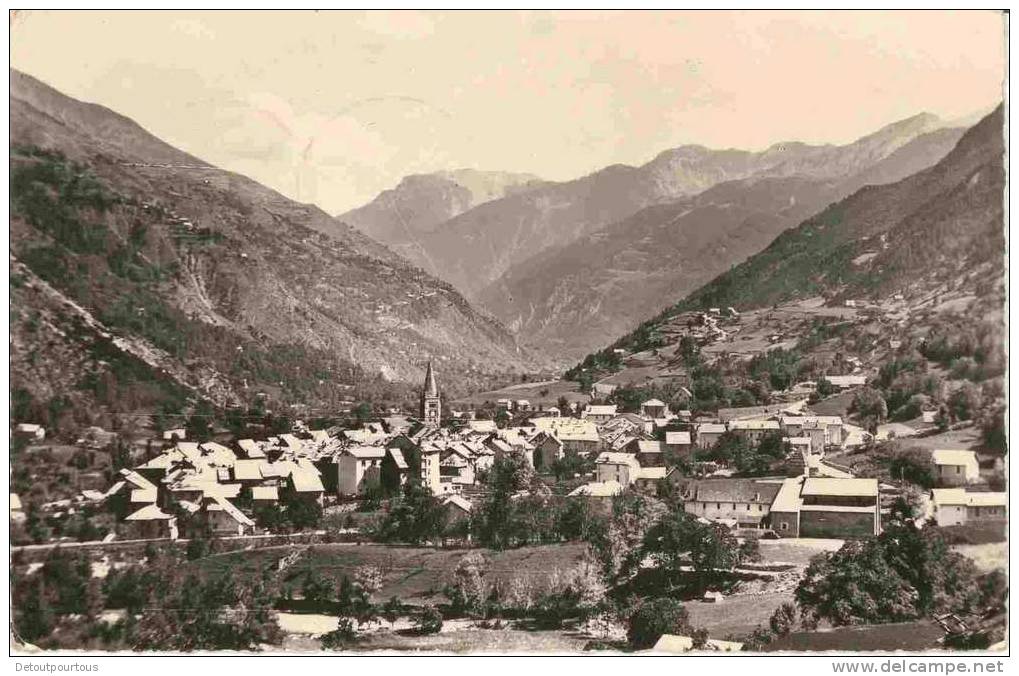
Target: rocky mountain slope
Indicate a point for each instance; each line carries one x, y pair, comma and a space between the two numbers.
936, 232
478, 246
420, 202
574, 298
228, 287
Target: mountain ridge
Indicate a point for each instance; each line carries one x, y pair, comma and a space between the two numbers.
224, 275
910, 237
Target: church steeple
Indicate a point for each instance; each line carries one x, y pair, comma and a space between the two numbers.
431, 406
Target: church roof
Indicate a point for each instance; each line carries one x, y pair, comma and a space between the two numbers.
431, 388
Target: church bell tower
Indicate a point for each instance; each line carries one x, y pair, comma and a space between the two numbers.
431, 406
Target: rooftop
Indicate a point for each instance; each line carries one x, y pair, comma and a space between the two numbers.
943, 456
840, 487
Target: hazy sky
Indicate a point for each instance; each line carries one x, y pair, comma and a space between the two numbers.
333, 107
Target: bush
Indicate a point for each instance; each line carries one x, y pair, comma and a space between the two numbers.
783, 619
468, 592
342, 637
654, 618
429, 621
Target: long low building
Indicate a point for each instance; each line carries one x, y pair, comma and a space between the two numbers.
745, 503
827, 508
957, 506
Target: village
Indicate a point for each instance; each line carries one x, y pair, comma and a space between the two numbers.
758, 474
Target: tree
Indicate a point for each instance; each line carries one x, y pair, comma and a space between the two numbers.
783, 619
912, 465
317, 588
573, 519
428, 621
965, 402
679, 539
854, 585
303, 513
368, 578
870, 406
391, 610
414, 517
656, 617
469, 590
496, 524
904, 573
341, 638
825, 387
199, 423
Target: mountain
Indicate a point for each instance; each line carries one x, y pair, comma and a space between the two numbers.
193, 276
478, 246
573, 298
421, 202
934, 232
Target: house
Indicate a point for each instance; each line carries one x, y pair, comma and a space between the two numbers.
670, 643
742, 502
548, 448
793, 426
178, 434
654, 408
500, 448
958, 507
827, 508
754, 430
708, 434
264, 494
430, 457
649, 453
30, 432
599, 413
149, 522
800, 445
620, 467
519, 440
626, 422
17, 511
578, 436
357, 468
305, 481
394, 470
679, 444
484, 426
847, 382
599, 494
955, 467
603, 389
457, 509
456, 469
648, 478
223, 517
251, 448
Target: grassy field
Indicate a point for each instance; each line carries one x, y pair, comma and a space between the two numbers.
965, 438
532, 392
458, 640
415, 575
798, 551
736, 615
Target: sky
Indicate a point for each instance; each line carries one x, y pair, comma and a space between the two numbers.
334, 107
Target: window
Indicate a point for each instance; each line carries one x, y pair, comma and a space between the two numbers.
718, 505
783, 526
